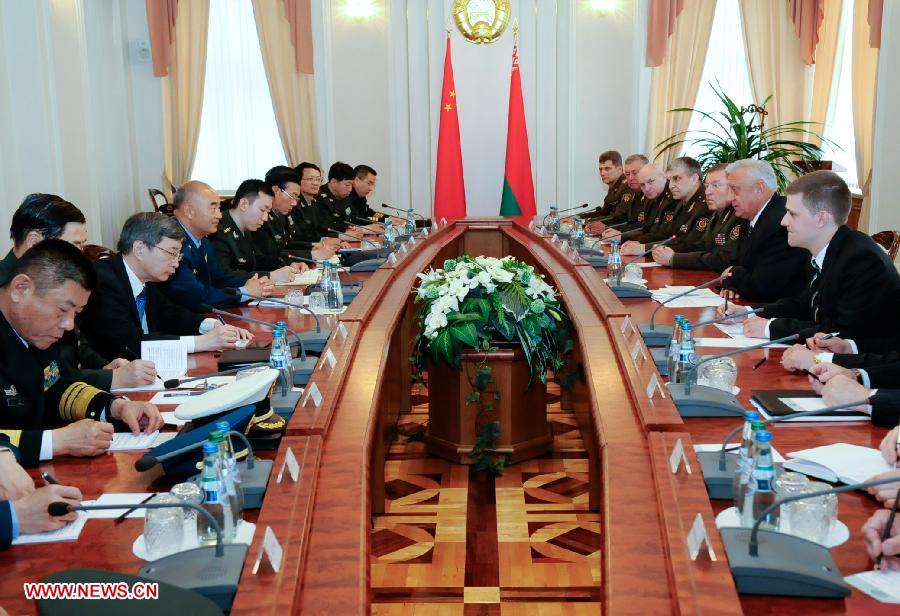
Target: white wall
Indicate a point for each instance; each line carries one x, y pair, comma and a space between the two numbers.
379, 85
885, 209
78, 117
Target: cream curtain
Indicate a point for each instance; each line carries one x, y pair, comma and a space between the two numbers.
293, 92
775, 59
824, 72
676, 81
864, 77
182, 92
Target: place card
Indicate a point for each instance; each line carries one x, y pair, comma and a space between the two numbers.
342, 330
564, 246
638, 349
425, 231
677, 457
313, 394
697, 537
293, 467
653, 386
270, 548
403, 248
392, 259
628, 325
412, 240
330, 358
443, 222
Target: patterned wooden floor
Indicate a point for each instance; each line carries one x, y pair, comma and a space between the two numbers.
451, 542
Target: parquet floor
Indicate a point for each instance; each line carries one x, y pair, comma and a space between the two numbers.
451, 542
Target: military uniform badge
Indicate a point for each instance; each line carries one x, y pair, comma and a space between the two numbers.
735, 233
51, 375
702, 223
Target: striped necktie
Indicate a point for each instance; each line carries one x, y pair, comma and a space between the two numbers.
814, 289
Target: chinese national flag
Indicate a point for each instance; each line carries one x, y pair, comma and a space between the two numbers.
518, 187
449, 186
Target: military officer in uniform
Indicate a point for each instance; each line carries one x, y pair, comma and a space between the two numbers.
333, 202
718, 232
364, 178
610, 167
656, 200
680, 214
630, 202
51, 283
234, 243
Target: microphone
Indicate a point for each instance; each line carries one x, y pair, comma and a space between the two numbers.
660, 336
736, 315
396, 209
573, 209
767, 562
275, 300
302, 366
352, 238
719, 468
174, 383
212, 571
628, 289
706, 401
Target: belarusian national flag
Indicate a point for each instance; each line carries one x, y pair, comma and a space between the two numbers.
449, 186
518, 187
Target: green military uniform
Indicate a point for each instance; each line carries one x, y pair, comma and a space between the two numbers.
649, 217
689, 226
74, 350
278, 237
611, 201
719, 246
332, 210
37, 391
238, 253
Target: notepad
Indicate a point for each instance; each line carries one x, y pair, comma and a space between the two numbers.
733, 342
169, 357
119, 498
126, 441
838, 462
881, 585
69, 532
310, 276
781, 402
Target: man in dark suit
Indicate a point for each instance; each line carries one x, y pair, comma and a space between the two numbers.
850, 279
200, 278
364, 179
767, 267
129, 307
51, 284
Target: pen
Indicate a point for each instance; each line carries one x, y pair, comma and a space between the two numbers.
49, 479
135, 356
186, 393
886, 533
221, 320
760, 363
119, 519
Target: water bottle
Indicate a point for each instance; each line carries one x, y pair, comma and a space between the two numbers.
764, 481
746, 487
743, 461
674, 346
278, 362
227, 451
553, 219
287, 354
388, 233
578, 233
229, 489
410, 227
614, 265
334, 293
213, 500
683, 367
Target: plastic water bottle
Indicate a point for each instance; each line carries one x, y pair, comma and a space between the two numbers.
764, 481
388, 234
614, 265
674, 346
229, 489
278, 362
553, 220
227, 451
410, 227
746, 488
286, 351
744, 460
578, 233
334, 296
213, 500
683, 367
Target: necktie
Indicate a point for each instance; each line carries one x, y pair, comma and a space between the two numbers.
141, 301
814, 291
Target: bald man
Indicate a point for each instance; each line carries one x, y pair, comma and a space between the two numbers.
656, 199
200, 278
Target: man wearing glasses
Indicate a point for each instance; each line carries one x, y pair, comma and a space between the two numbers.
128, 307
200, 278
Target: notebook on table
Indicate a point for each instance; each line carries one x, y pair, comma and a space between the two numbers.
780, 402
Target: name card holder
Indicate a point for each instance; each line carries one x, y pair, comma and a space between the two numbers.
425, 231
564, 246
443, 222
392, 259
403, 248
628, 326
313, 393
638, 349
412, 240
271, 548
677, 457
293, 467
342, 331
697, 537
328, 359
653, 386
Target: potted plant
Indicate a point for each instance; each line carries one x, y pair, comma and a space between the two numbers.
490, 330
742, 134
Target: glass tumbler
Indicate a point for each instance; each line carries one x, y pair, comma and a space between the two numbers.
719, 373
163, 528
188, 492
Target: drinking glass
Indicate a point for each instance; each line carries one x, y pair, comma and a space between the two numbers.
789, 484
163, 528
188, 492
812, 518
632, 273
719, 373
295, 298
317, 301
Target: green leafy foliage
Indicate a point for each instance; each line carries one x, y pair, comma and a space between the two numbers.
741, 134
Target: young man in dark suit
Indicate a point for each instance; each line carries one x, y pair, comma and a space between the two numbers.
850, 278
767, 267
128, 305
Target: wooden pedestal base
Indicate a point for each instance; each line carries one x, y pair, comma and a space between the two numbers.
521, 410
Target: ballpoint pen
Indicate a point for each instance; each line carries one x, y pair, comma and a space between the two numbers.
49, 479
122, 517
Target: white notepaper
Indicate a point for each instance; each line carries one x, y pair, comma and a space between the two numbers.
736, 342
881, 585
731, 329
169, 357
174, 397
156, 385
121, 498
648, 264
839, 461
126, 441
69, 532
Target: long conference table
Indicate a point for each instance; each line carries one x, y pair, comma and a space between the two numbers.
340, 439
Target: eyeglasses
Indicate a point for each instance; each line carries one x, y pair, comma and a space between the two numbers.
176, 256
317, 179
291, 195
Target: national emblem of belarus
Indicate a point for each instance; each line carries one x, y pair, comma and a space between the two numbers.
481, 21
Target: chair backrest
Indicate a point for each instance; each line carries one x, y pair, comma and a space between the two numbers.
889, 240
160, 201
95, 252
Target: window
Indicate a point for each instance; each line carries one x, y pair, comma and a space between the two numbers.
238, 134
839, 122
725, 67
